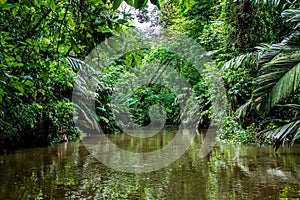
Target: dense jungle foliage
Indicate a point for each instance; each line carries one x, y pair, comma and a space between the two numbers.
254, 43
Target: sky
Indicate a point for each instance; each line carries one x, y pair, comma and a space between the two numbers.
146, 26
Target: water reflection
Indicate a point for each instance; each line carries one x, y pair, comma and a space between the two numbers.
139, 155
228, 172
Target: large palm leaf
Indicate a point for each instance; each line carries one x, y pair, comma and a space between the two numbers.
87, 87
280, 72
293, 16
279, 76
285, 134
278, 80
241, 61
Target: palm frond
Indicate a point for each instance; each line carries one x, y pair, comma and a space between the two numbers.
79, 65
293, 16
280, 134
279, 76
283, 3
245, 61
241, 61
242, 111
278, 79
263, 47
284, 88
75, 63
88, 88
89, 73
266, 2
288, 46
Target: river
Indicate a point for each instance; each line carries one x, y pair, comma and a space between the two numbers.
70, 171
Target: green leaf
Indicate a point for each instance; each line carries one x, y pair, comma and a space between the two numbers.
279, 76
7, 6
2, 93
18, 86
61, 16
140, 3
19, 58
89, 35
31, 124
287, 85
188, 4
52, 5
29, 83
280, 133
117, 3
129, 2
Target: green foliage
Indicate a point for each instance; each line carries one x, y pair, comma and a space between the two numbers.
35, 78
142, 100
234, 133
102, 96
139, 102
276, 89
228, 27
278, 3
287, 133
188, 17
171, 18
194, 78
238, 74
200, 14
279, 78
268, 78
43, 42
248, 24
61, 117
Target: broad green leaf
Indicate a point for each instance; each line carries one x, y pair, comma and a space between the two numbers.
29, 83
18, 86
52, 5
101, 109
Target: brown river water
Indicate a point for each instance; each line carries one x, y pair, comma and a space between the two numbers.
70, 171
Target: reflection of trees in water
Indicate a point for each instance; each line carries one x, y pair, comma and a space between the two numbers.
230, 171
254, 170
